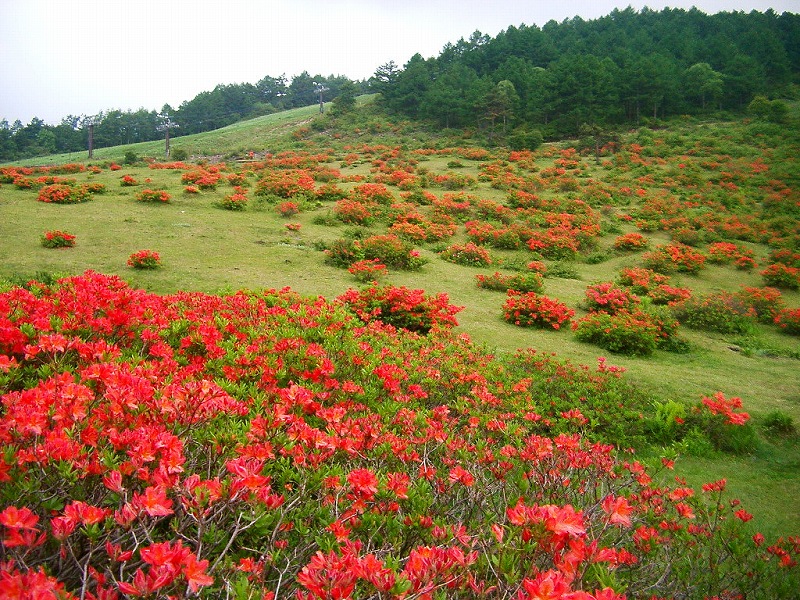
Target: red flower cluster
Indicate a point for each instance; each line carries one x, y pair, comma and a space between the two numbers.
532, 310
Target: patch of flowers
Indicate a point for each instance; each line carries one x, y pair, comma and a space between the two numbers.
57, 239
729, 253
368, 270
528, 309
468, 255
144, 259
413, 310
128, 181
236, 201
788, 320
609, 298
62, 193
153, 196
287, 208
780, 275
631, 241
674, 257
765, 302
191, 445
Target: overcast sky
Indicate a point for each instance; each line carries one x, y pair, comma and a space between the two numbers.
80, 57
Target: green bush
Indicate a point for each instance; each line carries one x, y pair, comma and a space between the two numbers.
721, 312
779, 423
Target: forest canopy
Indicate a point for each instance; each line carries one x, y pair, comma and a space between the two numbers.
526, 83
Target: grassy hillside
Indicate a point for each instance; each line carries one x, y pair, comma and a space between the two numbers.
690, 169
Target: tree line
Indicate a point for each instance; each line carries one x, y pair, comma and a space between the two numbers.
209, 110
622, 68
526, 83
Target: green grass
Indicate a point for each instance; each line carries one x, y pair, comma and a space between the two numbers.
208, 249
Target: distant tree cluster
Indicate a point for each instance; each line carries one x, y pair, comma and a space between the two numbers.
621, 68
223, 105
525, 84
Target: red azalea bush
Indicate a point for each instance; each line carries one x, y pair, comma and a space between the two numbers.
788, 320
726, 253
780, 275
368, 270
520, 282
61, 193
766, 302
786, 257
631, 241
609, 298
667, 295
674, 257
468, 255
205, 179
354, 211
641, 280
144, 259
58, 239
194, 444
402, 307
148, 195
285, 183
128, 181
288, 209
236, 201
528, 309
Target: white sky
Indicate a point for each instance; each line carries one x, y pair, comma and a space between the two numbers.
62, 57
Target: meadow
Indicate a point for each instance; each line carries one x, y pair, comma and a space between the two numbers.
670, 256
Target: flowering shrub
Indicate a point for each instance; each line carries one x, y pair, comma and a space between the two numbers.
191, 189
191, 445
128, 180
609, 298
368, 270
402, 307
148, 195
785, 257
765, 302
631, 241
205, 179
354, 211
388, 249
726, 253
532, 310
58, 239
285, 183
557, 243
293, 226
641, 281
788, 320
372, 193
674, 257
667, 294
61, 193
632, 332
235, 201
468, 255
780, 275
144, 259
521, 282
722, 312
288, 209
